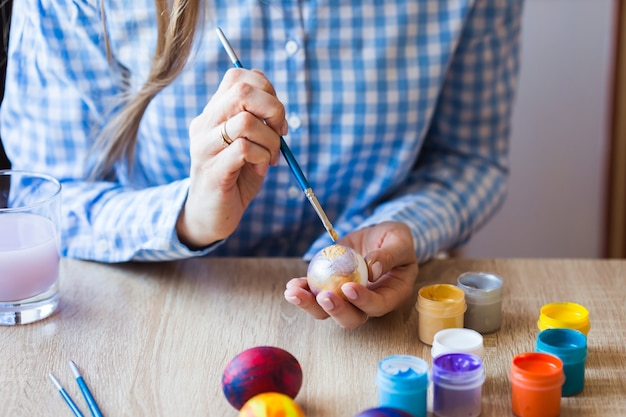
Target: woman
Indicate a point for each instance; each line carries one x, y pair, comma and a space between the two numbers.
398, 113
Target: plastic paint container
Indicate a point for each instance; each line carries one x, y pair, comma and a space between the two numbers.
483, 296
457, 385
564, 315
536, 381
402, 382
383, 412
440, 306
571, 347
457, 341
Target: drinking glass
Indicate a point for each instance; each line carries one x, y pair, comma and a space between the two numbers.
30, 211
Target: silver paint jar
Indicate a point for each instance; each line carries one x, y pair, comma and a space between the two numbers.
483, 296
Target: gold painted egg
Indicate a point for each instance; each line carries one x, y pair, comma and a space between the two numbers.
333, 266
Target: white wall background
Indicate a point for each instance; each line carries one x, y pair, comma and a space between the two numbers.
556, 206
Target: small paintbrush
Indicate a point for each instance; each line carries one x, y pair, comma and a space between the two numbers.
291, 160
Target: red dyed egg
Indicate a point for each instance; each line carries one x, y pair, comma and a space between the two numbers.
383, 412
271, 404
259, 370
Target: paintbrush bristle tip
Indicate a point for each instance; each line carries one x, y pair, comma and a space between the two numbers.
54, 380
74, 369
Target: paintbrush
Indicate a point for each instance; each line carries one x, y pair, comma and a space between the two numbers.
291, 160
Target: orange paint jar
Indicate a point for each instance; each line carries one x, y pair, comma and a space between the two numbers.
536, 381
440, 306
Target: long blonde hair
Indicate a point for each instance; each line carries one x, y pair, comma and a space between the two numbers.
177, 24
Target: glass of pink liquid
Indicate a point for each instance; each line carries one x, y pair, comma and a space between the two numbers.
30, 211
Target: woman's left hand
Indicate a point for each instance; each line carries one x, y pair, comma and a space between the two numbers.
392, 264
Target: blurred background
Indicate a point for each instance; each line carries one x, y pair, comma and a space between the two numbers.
5, 22
567, 179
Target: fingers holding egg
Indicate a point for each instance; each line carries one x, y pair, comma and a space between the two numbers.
297, 293
334, 266
337, 275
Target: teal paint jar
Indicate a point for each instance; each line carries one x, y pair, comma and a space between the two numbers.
571, 347
402, 382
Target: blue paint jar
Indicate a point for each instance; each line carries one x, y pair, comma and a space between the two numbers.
402, 382
571, 347
457, 385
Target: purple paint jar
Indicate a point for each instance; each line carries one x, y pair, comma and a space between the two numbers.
457, 385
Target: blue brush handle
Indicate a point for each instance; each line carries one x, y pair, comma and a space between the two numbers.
291, 160
91, 402
70, 403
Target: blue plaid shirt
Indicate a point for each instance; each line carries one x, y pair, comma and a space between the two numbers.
398, 110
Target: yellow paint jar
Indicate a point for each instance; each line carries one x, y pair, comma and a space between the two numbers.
440, 306
564, 316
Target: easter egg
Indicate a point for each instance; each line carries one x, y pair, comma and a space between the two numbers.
383, 412
333, 266
271, 404
258, 370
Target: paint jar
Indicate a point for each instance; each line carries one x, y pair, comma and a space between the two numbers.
483, 296
564, 315
440, 306
571, 347
536, 381
457, 341
457, 385
383, 412
402, 382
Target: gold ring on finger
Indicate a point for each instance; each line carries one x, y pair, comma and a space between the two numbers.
225, 138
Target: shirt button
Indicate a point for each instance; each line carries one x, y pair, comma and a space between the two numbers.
291, 47
293, 192
294, 122
102, 246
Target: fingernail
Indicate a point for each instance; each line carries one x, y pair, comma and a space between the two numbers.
262, 169
377, 270
284, 129
293, 300
326, 303
350, 292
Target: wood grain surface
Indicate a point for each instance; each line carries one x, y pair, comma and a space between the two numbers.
153, 339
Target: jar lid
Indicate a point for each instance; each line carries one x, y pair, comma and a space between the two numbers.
568, 344
537, 369
403, 373
564, 315
443, 300
480, 287
458, 369
457, 340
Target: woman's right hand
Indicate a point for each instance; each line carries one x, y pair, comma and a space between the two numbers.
224, 178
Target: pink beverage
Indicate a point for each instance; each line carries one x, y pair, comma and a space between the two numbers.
29, 256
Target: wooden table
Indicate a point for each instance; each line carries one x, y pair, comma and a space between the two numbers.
153, 339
